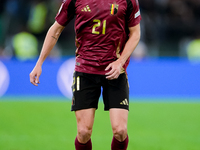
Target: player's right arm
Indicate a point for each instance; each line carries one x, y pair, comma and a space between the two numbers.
49, 42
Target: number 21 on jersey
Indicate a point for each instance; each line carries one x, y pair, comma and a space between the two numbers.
98, 24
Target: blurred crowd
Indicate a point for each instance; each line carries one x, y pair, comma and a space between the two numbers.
23, 26
169, 28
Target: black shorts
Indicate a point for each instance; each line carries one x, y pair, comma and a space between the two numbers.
87, 90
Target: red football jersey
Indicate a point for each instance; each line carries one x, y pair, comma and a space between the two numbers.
101, 28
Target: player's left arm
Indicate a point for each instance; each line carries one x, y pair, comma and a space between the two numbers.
116, 66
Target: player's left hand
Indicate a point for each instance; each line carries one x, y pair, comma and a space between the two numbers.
115, 70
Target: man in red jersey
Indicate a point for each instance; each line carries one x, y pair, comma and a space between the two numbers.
107, 32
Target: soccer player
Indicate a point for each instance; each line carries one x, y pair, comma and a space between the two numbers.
107, 32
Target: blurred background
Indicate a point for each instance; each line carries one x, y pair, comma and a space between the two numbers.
168, 54
164, 79
168, 26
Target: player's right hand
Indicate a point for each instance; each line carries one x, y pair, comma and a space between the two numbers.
35, 74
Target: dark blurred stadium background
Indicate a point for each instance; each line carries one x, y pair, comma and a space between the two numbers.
167, 25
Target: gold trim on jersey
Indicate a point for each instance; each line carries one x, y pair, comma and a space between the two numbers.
77, 45
118, 50
118, 55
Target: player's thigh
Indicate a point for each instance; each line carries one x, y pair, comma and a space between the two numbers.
119, 120
85, 119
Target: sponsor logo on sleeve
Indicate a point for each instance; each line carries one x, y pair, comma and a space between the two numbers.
137, 14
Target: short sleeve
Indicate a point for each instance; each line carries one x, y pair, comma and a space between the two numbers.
66, 12
133, 13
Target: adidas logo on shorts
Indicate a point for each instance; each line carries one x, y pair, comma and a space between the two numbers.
124, 102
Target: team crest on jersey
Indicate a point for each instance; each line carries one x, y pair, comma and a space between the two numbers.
114, 9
